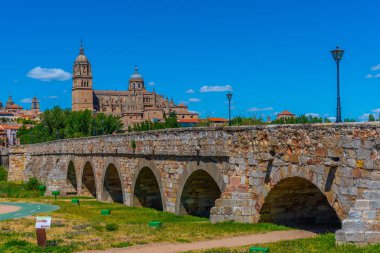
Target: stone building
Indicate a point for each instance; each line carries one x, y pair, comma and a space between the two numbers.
13, 111
134, 105
285, 115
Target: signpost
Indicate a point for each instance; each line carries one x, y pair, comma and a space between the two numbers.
42, 223
55, 194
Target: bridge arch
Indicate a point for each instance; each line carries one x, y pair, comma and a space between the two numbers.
147, 188
297, 201
88, 182
112, 186
71, 179
198, 188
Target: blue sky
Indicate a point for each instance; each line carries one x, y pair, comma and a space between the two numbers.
273, 54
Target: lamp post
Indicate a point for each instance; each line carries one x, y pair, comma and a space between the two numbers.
337, 55
229, 96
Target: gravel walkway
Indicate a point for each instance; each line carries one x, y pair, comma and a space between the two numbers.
226, 242
8, 209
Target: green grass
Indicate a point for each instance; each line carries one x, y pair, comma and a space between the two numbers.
16, 190
82, 227
323, 243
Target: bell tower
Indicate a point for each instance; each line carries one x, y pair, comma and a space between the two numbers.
82, 92
136, 81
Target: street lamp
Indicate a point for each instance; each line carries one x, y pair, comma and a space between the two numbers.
229, 96
337, 55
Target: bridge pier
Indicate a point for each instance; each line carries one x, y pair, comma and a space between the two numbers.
362, 226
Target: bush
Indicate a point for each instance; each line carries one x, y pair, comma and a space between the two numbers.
3, 174
112, 227
32, 184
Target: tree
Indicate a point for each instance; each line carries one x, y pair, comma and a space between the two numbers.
326, 120
371, 117
62, 124
171, 120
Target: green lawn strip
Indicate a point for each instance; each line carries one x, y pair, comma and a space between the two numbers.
82, 227
323, 243
16, 190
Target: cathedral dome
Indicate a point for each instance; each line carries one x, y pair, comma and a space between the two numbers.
81, 57
136, 75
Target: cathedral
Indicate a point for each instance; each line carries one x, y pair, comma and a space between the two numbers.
134, 105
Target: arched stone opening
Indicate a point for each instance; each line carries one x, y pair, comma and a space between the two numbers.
296, 202
88, 181
112, 188
71, 180
147, 192
199, 194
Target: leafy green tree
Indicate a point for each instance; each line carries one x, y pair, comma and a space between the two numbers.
171, 120
62, 124
371, 117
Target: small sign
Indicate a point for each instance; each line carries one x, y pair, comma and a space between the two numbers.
43, 222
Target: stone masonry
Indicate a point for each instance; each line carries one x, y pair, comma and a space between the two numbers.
326, 174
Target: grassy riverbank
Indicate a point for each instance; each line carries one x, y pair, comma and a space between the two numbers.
82, 227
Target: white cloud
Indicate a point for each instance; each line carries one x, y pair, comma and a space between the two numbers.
195, 112
151, 84
377, 67
190, 91
256, 109
52, 97
372, 76
364, 117
376, 110
215, 88
312, 114
332, 119
48, 74
194, 100
26, 100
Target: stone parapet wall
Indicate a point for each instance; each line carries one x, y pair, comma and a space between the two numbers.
337, 164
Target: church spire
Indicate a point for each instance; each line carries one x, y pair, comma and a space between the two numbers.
81, 50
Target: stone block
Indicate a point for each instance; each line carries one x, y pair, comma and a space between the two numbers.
355, 236
352, 225
362, 204
354, 214
340, 235
372, 236
369, 214
372, 195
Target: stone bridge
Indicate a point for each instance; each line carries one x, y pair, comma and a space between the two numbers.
327, 175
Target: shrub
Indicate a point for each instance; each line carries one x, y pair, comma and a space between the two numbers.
3, 174
112, 227
133, 144
32, 184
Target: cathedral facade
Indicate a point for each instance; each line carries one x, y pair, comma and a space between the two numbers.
134, 105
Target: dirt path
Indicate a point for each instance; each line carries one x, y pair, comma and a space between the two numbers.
8, 209
226, 242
